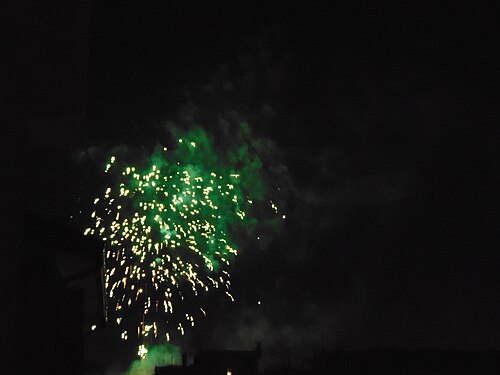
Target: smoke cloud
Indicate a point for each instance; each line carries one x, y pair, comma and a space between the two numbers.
160, 355
326, 184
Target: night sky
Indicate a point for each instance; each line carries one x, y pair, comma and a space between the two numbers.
382, 117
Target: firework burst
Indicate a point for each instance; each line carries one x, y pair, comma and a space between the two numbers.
166, 226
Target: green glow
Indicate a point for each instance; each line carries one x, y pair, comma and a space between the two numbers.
159, 355
167, 224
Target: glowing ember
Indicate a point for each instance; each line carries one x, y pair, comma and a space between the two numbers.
166, 225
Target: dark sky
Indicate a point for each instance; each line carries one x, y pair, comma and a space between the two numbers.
383, 115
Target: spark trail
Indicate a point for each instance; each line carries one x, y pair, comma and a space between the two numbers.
166, 226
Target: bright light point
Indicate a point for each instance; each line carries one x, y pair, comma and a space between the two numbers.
258, 302
284, 216
93, 327
229, 372
193, 144
142, 351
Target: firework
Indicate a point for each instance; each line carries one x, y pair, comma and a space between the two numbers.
166, 226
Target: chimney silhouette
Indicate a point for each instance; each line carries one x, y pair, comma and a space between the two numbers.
259, 349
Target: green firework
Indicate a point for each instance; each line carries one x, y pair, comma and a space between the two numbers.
167, 224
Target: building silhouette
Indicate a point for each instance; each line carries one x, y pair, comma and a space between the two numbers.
406, 362
50, 311
217, 362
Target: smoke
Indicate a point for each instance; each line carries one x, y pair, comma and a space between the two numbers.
321, 182
290, 328
160, 355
